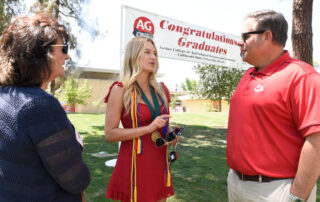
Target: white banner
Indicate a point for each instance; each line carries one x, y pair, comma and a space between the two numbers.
182, 41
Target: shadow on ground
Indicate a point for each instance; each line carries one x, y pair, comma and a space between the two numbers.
198, 175
202, 166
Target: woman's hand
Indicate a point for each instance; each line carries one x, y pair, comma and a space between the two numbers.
158, 122
174, 142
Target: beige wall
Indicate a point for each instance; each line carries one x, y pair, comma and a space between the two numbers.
198, 105
100, 88
224, 105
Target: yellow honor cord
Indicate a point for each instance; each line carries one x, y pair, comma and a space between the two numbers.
136, 147
168, 171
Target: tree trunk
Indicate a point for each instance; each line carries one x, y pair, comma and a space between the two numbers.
56, 9
56, 15
302, 30
220, 107
52, 87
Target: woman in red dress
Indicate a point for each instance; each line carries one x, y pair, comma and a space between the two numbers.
142, 172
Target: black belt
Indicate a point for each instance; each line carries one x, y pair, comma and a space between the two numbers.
256, 178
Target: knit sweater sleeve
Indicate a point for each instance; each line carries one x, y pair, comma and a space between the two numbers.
53, 138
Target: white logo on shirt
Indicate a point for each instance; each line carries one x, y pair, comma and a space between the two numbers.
258, 88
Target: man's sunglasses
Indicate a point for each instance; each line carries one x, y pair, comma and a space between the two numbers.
245, 35
64, 49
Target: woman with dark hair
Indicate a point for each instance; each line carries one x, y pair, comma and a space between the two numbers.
40, 158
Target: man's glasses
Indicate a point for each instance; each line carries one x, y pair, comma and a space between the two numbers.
64, 49
245, 35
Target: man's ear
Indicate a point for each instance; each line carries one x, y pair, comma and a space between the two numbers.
268, 36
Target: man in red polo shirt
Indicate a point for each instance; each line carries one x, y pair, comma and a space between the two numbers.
273, 148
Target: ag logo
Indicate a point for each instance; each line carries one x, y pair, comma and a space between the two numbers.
143, 27
258, 88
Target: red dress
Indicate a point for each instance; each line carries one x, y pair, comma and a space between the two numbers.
150, 165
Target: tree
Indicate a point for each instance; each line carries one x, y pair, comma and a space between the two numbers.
302, 30
71, 93
189, 85
64, 11
216, 82
173, 102
54, 8
8, 8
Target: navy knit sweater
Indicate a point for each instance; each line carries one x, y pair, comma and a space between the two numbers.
40, 158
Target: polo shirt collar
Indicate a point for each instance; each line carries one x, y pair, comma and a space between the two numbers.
274, 66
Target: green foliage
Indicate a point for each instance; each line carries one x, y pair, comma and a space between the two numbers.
67, 12
315, 64
217, 82
8, 8
173, 102
189, 85
98, 103
200, 174
72, 93
62, 10
183, 87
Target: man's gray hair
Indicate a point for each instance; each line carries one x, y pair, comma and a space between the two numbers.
273, 21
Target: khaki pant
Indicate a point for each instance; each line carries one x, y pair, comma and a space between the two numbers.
249, 191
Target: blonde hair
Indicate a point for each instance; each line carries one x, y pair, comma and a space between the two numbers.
131, 69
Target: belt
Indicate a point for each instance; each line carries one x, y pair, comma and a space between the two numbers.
256, 178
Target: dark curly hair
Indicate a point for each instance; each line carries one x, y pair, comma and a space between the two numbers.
24, 48
273, 21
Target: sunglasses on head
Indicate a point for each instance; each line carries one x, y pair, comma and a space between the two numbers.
65, 47
245, 36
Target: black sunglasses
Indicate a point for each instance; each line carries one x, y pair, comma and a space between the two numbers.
65, 47
245, 35
169, 137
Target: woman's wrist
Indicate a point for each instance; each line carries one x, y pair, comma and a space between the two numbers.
148, 129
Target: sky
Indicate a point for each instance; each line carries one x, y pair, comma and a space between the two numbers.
219, 15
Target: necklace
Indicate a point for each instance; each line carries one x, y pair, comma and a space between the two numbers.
156, 111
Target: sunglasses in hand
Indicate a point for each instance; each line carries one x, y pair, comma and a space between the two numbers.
171, 136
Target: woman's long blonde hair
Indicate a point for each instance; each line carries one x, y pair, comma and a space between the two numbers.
131, 69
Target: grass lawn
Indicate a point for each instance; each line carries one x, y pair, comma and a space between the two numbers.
200, 173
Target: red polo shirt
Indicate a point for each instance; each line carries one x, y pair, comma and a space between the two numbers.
271, 113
